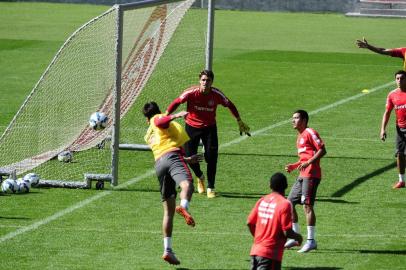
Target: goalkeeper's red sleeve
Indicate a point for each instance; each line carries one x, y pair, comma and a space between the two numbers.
174, 105
233, 109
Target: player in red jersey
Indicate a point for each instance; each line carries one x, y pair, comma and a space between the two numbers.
310, 149
202, 101
397, 52
270, 222
397, 100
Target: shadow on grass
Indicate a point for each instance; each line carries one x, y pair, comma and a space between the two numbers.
22, 218
366, 251
332, 200
347, 188
234, 195
312, 268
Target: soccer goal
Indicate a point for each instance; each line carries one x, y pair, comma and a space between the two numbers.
131, 54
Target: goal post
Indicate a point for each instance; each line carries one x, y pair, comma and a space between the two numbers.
131, 54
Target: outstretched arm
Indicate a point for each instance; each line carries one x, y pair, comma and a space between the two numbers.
365, 45
174, 105
163, 121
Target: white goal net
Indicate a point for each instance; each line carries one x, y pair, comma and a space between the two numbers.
162, 51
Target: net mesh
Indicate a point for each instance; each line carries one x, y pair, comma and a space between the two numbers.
161, 55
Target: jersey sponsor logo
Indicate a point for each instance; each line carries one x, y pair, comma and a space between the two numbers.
397, 107
301, 141
301, 149
266, 211
198, 108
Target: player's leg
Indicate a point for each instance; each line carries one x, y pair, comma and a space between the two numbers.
294, 197
210, 142
181, 175
167, 227
400, 156
309, 191
168, 195
191, 148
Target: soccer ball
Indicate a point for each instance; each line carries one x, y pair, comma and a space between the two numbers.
23, 186
9, 186
65, 156
98, 121
31, 178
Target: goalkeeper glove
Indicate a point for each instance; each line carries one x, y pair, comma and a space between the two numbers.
243, 128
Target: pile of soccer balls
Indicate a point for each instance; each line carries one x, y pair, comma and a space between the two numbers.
22, 185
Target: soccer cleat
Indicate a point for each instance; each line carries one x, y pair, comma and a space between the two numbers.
211, 193
399, 184
186, 215
200, 185
170, 257
291, 243
308, 246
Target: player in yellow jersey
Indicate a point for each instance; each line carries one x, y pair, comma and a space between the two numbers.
166, 138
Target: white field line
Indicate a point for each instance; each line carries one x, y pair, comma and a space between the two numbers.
149, 173
322, 109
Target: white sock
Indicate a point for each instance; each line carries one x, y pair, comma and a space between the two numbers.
167, 243
310, 232
296, 227
401, 177
184, 203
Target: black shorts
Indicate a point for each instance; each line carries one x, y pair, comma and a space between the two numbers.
304, 191
400, 147
262, 263
171, 169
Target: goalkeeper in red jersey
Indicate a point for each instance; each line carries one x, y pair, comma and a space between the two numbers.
202, 101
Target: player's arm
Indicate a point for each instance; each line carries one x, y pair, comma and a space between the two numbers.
244, 128
174, 105
385, 120
286, 222
293, 235
163, 121
293, 166
252, 218
319, 154
364, 44
194, 159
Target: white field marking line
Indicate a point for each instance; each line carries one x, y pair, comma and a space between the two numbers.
152, 171
71, 209
325, 108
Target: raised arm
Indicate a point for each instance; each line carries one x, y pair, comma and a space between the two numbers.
365, 45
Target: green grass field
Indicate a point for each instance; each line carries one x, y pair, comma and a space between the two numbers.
269, 64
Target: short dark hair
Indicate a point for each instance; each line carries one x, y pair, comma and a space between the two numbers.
150, 109
208, 73
303, 115
401, 72
278, 182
